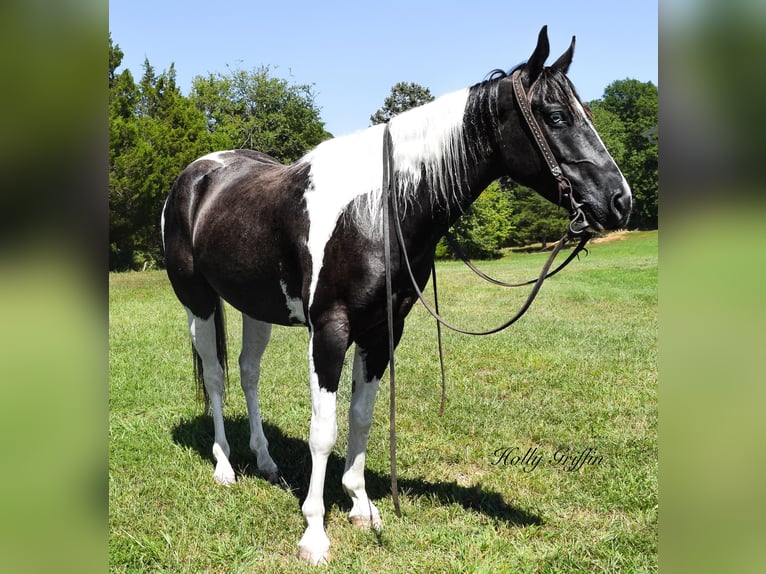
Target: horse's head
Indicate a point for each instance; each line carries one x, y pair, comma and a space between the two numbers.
598, 187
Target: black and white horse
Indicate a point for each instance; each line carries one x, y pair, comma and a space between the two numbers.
302, 244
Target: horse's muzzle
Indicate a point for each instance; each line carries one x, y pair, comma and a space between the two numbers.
619, 209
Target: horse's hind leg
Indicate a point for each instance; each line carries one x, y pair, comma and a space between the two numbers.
204, 339
255, 337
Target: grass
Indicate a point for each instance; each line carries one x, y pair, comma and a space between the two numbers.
578, 371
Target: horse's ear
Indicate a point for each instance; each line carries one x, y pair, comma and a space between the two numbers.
562, 64
537, 59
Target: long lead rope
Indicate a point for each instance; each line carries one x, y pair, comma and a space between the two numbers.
387, 176
443, 400
577, 227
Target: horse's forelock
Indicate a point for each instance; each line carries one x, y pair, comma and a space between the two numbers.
554, 86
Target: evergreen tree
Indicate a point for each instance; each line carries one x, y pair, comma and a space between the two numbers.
404, 96
154, 133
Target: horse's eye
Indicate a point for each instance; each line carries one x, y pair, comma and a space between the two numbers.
555, 117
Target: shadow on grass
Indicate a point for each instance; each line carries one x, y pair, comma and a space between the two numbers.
294, 460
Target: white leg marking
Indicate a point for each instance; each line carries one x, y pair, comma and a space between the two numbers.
364, 512
314, 546
255, 337
203, 336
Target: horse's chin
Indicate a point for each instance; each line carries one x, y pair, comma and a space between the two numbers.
583, 223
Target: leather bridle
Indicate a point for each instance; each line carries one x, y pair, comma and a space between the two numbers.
578, 222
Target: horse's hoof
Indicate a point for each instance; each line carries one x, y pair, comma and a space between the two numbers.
272, 477
366, 521
312, 557
225, 478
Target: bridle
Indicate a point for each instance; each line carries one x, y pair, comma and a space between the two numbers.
578, 228
578, 222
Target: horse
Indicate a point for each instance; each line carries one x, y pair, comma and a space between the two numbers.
302, 244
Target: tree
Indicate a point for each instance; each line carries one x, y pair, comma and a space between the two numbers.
534, 218
257, 111
154, 133
612, 131
404, 96
484, 228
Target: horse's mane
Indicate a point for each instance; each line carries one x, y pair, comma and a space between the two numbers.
432, 146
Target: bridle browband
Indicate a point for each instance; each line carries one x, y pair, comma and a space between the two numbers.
577, 228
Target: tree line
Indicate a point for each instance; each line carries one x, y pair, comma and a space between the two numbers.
155, 131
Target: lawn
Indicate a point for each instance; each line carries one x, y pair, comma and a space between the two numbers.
575, 379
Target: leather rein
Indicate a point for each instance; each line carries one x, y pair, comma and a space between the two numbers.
577, 228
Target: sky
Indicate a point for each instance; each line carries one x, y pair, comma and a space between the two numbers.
353, 53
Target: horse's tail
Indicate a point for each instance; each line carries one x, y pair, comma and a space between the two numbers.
220, 347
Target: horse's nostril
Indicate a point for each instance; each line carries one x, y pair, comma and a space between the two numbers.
621, 204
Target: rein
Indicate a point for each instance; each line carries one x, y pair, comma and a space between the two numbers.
577, 228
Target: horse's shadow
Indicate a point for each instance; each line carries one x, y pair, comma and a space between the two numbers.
294, 460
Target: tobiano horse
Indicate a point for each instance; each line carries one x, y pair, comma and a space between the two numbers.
302, 244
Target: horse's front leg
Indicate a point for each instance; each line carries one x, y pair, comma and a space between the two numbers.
328, 343
364, 391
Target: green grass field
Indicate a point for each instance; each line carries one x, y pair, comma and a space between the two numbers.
578, 372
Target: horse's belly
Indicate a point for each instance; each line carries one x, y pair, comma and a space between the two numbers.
259, 280
263, 300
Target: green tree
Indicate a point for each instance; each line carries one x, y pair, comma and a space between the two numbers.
612, 132
258, 111
534, 219
154, 133
404, 96
635, 105
485, 227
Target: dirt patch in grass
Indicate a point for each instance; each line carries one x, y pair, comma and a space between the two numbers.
613, 236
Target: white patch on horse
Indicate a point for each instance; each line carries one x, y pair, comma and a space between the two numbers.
589, 123
162, 223
216, 156
430, 136
294, 305
349, 170
365, 388
314, 546
341, 170
203, 336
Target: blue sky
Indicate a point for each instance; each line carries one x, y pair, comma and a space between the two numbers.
354, 52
